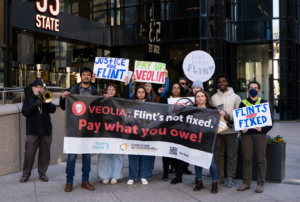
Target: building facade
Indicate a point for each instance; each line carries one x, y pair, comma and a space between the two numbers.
248, 39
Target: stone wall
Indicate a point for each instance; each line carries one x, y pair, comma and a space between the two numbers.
13, 134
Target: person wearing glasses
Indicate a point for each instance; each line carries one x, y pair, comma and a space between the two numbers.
184, 84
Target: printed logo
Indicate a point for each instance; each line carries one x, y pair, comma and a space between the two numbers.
101, 145
142, 148
173, 150
124, 147
78, 108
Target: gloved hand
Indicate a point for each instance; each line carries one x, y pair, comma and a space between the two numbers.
39, 102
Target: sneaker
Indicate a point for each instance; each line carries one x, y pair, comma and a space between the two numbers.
130, 182
105, 181
165, 177
230, 182
114, 181
221, 181
144, 181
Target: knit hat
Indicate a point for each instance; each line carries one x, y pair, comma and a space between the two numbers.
38, 82
184, 79
198, 83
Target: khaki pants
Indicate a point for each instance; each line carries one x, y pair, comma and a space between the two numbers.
259, 141
33, 142
230, 140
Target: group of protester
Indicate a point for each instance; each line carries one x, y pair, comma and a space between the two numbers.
110, 166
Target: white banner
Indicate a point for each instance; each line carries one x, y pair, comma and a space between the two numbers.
111, 68
150, 72
74, 145
182, 100
252, 117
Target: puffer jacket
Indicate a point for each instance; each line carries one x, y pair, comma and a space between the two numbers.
231, 102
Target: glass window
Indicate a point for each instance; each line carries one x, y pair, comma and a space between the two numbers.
195, 27
182, 9
267, 29
131, 15
99, 5
267, 9
131, 2
180, 29
238, 12
203, 7
1, 67
203, 27
126, 35
251, 31
275, 29
276, 50
253, 11
100, 17
1, 22
275, 8
211, 7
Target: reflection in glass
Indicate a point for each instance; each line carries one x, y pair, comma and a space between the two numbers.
275, 29
276, 49
275, 8
267, 29
238, 12
252, 31
203, 7
253, 11
276, 74
131, 15
203, 25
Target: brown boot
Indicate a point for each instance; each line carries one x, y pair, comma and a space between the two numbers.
199, 185
243, 187
68, 187
88, 186
214, 188
259, 189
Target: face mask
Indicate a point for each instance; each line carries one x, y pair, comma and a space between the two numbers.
253, 92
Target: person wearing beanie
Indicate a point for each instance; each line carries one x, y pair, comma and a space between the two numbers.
197, 85
38, 132
184, 84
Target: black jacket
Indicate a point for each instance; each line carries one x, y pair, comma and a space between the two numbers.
37, 123
75, 90
265, 129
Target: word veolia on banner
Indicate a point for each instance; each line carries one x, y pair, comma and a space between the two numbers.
152, 72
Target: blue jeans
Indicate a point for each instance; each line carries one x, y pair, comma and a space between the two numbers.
110, 166
86, 167
140, 164
213, 170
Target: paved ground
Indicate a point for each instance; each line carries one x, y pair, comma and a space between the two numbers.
157, 190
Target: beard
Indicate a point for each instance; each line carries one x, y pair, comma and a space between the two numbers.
85, 82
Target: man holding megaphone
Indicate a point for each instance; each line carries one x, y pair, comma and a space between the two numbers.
37, 108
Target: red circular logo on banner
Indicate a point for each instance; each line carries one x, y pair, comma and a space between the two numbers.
78, 108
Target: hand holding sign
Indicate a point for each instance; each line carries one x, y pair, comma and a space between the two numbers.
151, 72
198, 65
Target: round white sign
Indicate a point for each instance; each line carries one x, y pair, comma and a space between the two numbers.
198, 65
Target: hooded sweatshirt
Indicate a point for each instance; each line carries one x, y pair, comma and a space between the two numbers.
231, 102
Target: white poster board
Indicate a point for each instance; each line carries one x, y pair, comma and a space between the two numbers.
198, 65
150, 72
252, 117
111, 68
182, 100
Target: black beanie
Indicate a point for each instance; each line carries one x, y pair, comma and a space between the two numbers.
38, 82
183, 79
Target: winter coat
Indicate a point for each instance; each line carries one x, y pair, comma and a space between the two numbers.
231, 102
37, 123
75, 90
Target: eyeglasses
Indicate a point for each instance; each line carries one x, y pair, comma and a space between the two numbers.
183, 83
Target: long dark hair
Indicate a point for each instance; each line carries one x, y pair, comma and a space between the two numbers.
181, 89
208, 103
115, 87
152, 93
135, 97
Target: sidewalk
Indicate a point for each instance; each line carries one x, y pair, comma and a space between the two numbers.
157, 190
